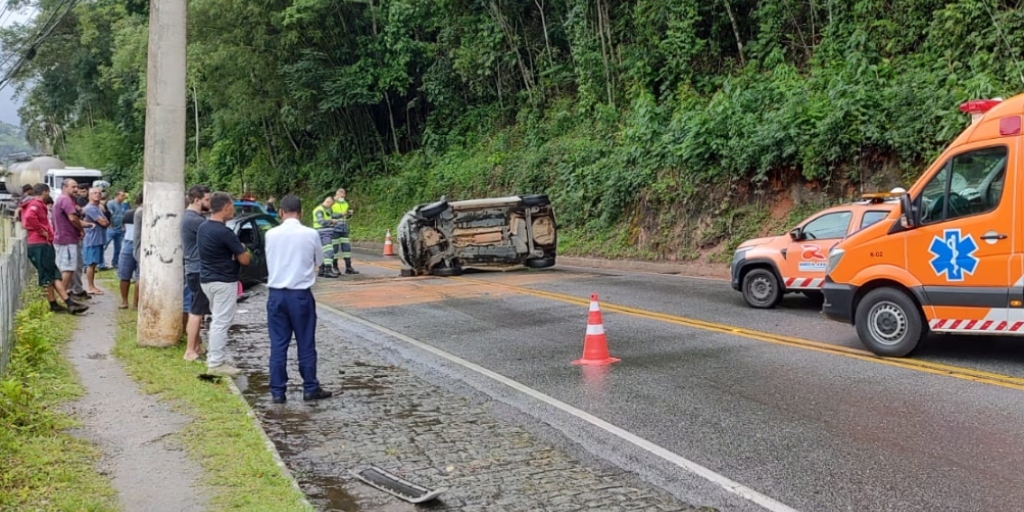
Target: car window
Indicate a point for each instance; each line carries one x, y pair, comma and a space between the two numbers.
830, 225
872, 217
968, 184
247, 233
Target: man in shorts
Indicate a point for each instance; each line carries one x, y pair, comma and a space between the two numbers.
68, 233
95, 222
127, 262
196, 304
35, 217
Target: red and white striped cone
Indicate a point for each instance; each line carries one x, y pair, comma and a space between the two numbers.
595, 344
389, 249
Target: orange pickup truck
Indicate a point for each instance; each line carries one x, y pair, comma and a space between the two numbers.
765, 269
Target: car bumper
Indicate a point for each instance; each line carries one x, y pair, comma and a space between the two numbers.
737, 264
838, 303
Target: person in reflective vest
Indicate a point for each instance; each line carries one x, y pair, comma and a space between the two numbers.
324, 226
340, 212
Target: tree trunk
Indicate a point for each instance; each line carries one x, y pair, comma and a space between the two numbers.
391, 119
735, 31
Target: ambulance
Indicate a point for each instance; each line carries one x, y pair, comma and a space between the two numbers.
765, 269
950, 258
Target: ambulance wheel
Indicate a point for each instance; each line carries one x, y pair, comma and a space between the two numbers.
889, 322
761, 289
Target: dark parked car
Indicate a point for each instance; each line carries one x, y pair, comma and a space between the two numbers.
251, 231
444, 237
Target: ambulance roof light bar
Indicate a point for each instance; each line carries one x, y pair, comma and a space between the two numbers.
977, 108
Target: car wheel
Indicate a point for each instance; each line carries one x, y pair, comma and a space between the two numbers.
540, 262
761, 289
536, 200
889, 322
446, 271
433, 209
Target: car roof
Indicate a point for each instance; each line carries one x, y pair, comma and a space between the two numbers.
865, 205
235, 221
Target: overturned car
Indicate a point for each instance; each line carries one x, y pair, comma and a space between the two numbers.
444, 237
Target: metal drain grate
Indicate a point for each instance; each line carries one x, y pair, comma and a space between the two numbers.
396, 485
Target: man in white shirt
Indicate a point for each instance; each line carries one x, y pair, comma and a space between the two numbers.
293, 257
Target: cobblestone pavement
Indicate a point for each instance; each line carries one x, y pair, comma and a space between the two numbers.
389, 417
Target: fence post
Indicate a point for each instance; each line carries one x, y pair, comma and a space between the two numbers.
14, 273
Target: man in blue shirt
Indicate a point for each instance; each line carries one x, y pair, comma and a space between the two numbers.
116, 209
95, 235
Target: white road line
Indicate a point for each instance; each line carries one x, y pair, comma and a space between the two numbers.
720, 480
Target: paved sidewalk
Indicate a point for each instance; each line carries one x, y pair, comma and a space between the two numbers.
136, 432
387, 416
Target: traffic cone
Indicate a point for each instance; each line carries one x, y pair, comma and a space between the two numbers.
595, 344
389, 250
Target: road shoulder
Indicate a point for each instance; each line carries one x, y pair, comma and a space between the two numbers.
138, 435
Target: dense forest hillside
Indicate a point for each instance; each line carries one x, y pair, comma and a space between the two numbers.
661, 128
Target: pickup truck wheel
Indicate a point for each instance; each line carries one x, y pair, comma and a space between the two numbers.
536, 200
889, 322
446, 271
433, 209
761, 289
540, 263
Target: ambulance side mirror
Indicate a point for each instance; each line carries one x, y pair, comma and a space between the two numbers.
908, 217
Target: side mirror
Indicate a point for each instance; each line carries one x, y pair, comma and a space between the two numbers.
908, 217
797, 234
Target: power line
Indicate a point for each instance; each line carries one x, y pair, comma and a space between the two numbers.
27, 50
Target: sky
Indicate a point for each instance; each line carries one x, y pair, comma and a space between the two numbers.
8, 104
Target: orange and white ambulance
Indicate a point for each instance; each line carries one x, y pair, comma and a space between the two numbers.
950, 259
765, 269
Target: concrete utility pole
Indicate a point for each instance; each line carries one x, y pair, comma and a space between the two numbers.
161, 273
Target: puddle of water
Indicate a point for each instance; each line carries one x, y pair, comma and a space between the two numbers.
362, 364
330, 494
367, 383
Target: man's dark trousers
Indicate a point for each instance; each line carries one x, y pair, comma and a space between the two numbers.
288, 312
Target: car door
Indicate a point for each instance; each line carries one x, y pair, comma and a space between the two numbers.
961, 251
250, 236
807, 257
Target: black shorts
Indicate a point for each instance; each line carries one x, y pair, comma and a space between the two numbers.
44, 259
200, 304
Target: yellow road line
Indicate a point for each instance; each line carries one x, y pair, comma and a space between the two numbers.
995, 379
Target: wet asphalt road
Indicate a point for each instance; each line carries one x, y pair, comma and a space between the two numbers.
816, 431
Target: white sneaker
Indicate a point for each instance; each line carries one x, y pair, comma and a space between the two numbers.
224, 369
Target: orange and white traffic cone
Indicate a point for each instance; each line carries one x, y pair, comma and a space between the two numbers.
595, 344
389, 250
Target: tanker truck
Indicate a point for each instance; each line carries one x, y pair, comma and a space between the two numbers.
46, 169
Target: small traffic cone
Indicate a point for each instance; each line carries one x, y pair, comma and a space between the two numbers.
389, 250
595, 344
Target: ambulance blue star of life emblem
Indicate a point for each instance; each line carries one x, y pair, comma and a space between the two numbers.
953, 255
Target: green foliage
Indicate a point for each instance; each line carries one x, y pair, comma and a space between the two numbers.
44, 467
610, 106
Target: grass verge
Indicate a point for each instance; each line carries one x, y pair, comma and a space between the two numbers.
240, 472
42, 466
